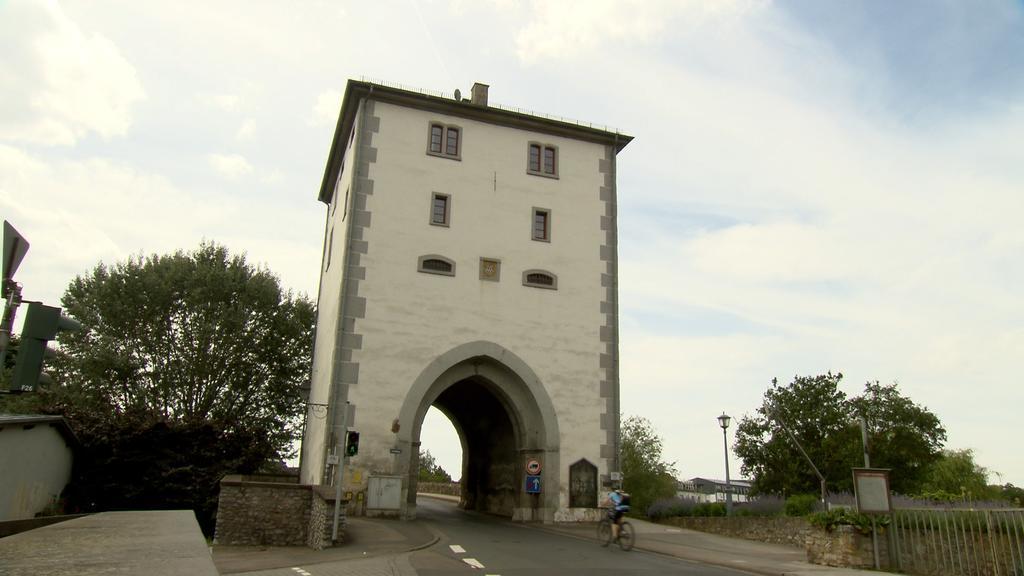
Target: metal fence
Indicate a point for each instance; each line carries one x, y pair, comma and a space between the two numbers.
930, 541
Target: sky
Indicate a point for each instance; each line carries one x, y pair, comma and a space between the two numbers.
813, 186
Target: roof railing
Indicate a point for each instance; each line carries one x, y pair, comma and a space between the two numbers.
514, 109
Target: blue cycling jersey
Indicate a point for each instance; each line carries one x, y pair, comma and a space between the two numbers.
616, 499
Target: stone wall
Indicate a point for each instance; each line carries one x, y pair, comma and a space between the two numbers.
774, 529
845, 547
272, 514
449, 488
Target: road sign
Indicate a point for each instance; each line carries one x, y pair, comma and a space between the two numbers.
15, 247
616, 476
533, 466
533, 484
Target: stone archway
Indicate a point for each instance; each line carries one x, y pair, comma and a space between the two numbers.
503, 416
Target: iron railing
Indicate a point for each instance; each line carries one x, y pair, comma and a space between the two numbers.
968, 542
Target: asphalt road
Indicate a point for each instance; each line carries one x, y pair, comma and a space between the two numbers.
488, 545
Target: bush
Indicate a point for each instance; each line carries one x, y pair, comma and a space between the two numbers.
846, 517
671, 508
801, 504
767, 505
709, 509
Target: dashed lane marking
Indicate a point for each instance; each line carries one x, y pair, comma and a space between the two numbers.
674, 531
457, 549
300, 571
473, 562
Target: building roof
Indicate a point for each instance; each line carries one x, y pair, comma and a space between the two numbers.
732, 481
29, 420
356, 90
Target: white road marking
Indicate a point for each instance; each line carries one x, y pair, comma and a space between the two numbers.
457, 549
301, 571
673, 531
473, 562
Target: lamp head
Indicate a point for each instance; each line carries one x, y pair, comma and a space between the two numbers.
723, 421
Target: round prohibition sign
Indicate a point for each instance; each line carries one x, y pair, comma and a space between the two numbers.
533, 466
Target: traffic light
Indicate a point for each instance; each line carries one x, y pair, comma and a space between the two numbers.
352, 443
42, 323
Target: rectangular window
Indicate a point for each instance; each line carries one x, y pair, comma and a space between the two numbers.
436, 135
440, 210
534, 158
549, 160
541, 224
445, 141
452, 142
542, 160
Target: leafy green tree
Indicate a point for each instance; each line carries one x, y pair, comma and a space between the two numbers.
816, 412
645, 476
430, 470
1012, 494
199, 354
956, 476
902, 436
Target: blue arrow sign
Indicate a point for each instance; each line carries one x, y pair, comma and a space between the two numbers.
533, 484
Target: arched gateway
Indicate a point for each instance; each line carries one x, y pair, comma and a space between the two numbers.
470, 263
503, 416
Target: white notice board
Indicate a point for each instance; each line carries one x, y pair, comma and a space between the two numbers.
871, 486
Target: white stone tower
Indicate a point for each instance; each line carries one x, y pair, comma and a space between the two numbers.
470, 264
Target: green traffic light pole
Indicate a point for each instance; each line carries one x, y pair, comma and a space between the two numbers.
13, 292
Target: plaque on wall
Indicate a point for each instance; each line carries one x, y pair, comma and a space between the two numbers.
583, 485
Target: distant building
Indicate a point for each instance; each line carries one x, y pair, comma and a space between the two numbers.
709, 490
36, 453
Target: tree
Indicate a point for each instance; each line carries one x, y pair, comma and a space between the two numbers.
197, 355
645, 476
816, 412
430, 470
955, 476
902, 436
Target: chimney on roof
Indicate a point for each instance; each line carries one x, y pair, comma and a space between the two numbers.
478, 94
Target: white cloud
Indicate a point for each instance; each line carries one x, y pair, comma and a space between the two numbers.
230, 166
326, 108
58, 82
568, 29
247, 130
222, 102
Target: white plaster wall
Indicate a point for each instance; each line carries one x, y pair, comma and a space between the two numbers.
35, 465
412, 317
331, 268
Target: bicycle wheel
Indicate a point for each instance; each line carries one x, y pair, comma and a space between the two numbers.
626, 536
604, 532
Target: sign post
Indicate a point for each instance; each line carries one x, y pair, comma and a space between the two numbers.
533, 484
533, 467
871, 489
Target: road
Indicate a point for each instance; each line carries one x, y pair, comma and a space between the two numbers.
495, 546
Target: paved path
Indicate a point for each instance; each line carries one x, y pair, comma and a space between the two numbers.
155, 543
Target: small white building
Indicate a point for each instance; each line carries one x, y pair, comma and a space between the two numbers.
36, 453
710, 490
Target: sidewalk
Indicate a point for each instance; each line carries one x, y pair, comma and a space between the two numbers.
373, 546
736, 553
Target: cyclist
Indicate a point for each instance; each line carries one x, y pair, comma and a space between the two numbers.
620, 505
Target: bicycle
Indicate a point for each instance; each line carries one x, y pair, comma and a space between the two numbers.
627, 537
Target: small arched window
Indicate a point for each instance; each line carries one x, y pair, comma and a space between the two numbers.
434, 264
540, 279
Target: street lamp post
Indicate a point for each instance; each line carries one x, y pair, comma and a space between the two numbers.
723, 421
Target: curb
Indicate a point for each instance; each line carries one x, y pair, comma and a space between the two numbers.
433, 541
